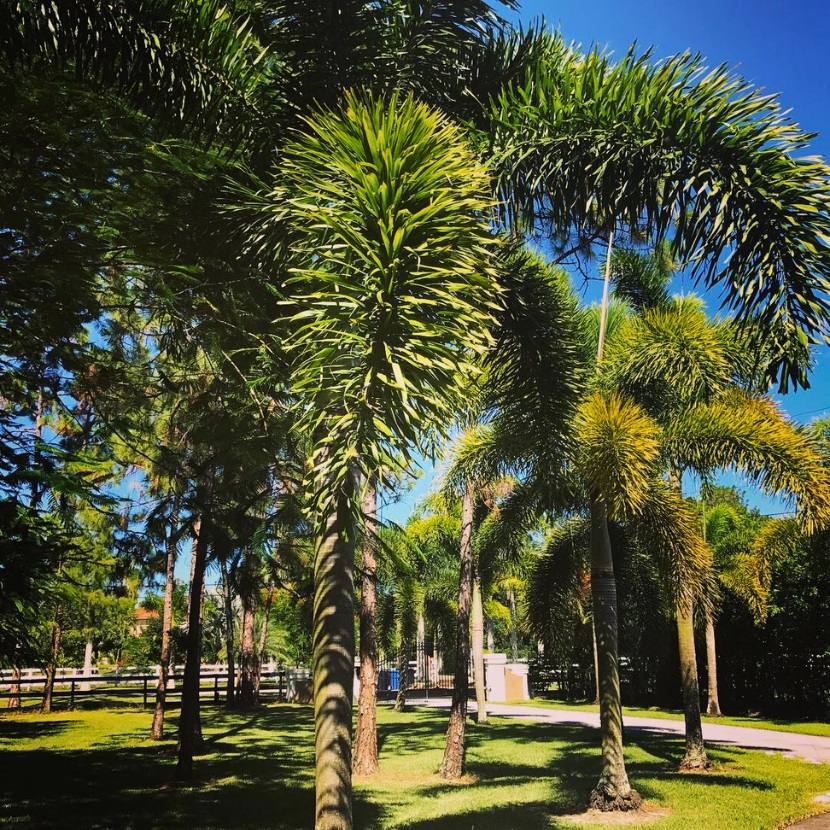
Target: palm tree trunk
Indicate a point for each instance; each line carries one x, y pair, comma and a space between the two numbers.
263, 636
596, 663
613, 792
695, 757
14, 689
334, 669
713, 709
230, 646
514, 626
478, 649
455, 750
157, 729
250, 580
366, 737
52, 665
189, 720
403, 677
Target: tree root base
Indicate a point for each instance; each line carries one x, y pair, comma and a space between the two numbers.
365, 770
601, 799
695, 765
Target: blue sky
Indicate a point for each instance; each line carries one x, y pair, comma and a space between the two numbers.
780, 46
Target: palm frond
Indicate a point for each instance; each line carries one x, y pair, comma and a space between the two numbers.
753, 436
669, 529
618, 445
672, 146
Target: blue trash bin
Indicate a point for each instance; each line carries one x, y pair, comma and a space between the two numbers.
393, 680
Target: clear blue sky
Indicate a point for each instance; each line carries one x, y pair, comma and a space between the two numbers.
778, 45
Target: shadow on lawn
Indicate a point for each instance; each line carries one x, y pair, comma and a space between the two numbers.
258, 773
263, 779
14, 730
573, 770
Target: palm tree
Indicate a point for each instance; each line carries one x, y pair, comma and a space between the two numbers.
386, 216
688, 373
744, 547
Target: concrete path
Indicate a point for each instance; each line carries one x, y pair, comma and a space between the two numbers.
792, 745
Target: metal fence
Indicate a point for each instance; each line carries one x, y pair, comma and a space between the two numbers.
421, 672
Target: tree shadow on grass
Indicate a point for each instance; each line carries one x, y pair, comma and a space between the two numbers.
259, 770
568, 756
13, 730
259, 775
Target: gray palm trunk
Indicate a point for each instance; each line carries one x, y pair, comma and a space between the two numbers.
157, 729
613, 791
596, 663
403, 676
190, 732
366, 738
713, 707
248, 653
263, 634
334, 669
695, 755
477, 630
227, 598
455, 750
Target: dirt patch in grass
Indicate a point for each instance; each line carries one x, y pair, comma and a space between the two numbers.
646, 813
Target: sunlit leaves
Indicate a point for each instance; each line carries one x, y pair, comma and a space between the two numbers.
191, 62
391, 285
751, 435
618, 446
677, 150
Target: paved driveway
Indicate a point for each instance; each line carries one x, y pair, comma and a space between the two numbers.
809, 747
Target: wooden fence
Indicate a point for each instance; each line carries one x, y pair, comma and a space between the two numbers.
279, 684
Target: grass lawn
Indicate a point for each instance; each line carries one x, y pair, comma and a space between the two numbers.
803, 727
96, 769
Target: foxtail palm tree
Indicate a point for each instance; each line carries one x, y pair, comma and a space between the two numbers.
384, 211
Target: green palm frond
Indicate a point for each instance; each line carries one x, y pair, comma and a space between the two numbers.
392, 289
669, 528
672, 146
642, 279
618, 445
535, 370
753, 436
192, 62
671, 356
557, 584
616, 318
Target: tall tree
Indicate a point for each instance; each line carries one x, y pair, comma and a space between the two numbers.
386, 212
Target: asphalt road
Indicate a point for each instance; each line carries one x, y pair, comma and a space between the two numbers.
790, 744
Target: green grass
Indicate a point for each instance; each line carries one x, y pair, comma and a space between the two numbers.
819, 728
97, 769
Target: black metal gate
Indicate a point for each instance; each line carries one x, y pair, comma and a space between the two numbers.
421, 672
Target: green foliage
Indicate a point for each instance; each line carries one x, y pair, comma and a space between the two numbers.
678, 151
30, 549
390, 283
618, 447
193, 63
